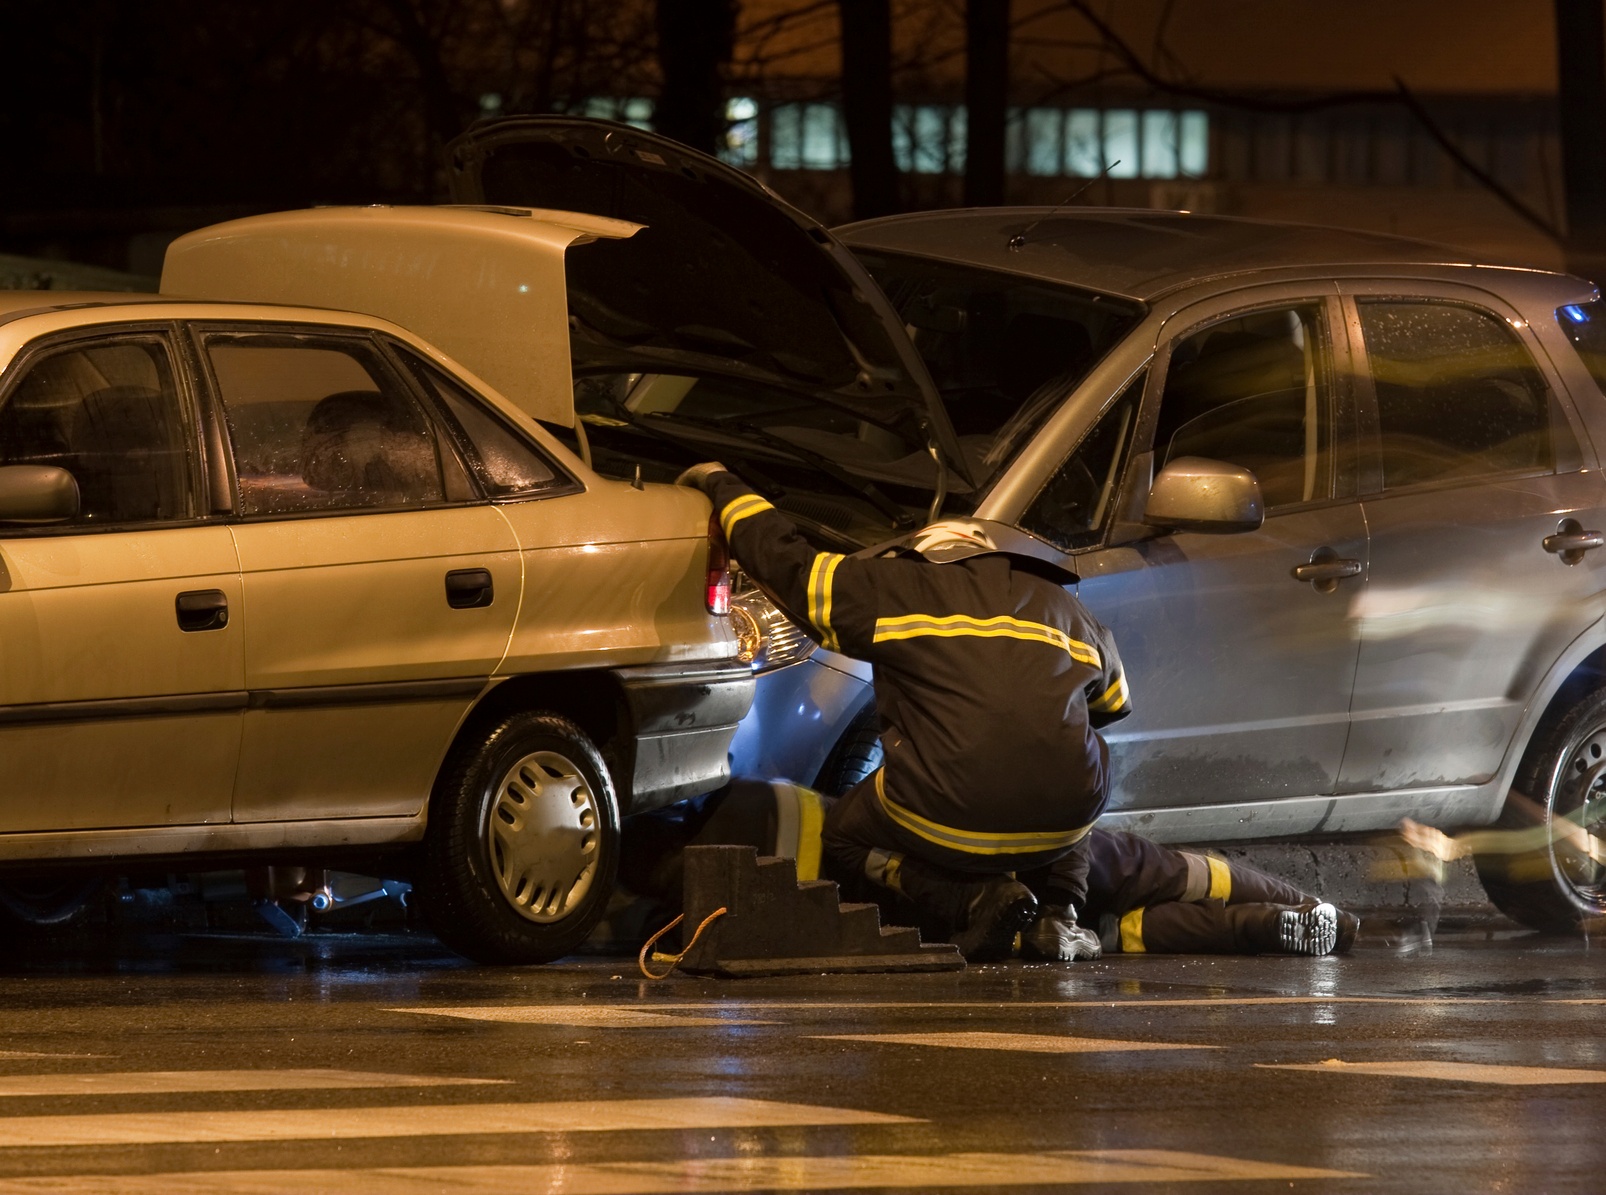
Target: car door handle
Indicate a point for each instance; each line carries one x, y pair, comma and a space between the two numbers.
1571, 541
469, 588
1326, 569
202, 610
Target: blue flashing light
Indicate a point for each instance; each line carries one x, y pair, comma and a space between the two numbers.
1575, 313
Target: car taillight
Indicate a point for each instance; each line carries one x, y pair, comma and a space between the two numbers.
719, 569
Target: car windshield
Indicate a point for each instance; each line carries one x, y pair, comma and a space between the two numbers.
1003, 350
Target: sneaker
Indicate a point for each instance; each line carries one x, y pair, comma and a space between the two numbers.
997, 913
1310, 931
1055, 937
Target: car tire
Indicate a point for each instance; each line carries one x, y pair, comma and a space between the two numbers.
523, 842
46, 903
1552, 885
855, 757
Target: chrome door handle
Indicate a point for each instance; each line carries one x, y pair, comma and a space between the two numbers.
1326, 569
1571, 541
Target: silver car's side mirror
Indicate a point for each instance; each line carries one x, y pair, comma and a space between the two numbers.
1193, 493
37, 494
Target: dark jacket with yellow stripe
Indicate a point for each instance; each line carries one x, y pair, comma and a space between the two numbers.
989, 680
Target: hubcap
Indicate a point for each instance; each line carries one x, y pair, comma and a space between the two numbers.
1580, 798
543, 836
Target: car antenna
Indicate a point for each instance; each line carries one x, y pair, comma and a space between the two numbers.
1019, 239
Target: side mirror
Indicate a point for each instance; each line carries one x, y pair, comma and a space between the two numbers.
37, 494
1193, 493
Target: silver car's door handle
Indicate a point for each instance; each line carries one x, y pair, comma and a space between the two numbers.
1571, 541
1326, 569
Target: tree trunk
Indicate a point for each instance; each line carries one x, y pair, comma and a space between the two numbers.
867, 105
696, 39
986, 99
1581, 99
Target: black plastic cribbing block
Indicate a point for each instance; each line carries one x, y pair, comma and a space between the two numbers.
775, 925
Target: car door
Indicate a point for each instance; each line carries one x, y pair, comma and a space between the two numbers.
1475, 470
1240, 668
380, 586
121, 644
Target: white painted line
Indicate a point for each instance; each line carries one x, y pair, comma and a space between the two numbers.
1454, 1072
704, 1176
584, 1016
163, 1082
1031, 1043
330, 1124
761, 1007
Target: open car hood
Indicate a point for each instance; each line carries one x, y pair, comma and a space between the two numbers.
723, 277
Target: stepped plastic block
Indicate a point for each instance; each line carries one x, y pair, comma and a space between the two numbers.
774, 925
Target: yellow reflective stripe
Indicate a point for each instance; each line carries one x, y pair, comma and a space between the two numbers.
975, 842
911, 626
1220, 879
1112, 698
1132, 933
826, 577
738, 509
810, 824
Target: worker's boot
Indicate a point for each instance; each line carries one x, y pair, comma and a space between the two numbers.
999, 909
1348, 926
1056, 937
1312, 930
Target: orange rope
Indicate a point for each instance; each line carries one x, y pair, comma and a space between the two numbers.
674, 959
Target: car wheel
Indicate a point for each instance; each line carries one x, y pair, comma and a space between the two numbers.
856, 755
1559, 880
45, 902
523, 842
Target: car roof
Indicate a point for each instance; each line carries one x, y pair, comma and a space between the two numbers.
1136, 253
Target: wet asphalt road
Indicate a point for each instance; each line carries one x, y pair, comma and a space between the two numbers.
327, 1064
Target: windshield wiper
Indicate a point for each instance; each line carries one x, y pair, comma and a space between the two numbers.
868, 490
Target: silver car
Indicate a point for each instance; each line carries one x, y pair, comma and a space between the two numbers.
1338, 495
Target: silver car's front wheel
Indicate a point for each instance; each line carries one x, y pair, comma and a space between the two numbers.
523, 841
1550, 871
542, 834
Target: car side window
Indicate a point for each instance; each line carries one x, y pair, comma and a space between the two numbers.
108, 412
1457, 394
1255, 391
508, 466
319, 422
1071, 510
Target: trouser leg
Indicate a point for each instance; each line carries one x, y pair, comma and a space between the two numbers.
1193, 927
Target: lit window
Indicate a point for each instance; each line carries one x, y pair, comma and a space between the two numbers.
930, 130
1159, 145
741, 137
1043, 140
820, 148
786, 136
1121, 142
958, 138
637, 112
1083, 154
601, 107
1194, 156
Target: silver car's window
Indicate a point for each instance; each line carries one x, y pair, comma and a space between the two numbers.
1255, 391
1457, 394
319, 423
508, 465
1585, 326
108, 412
1074, 505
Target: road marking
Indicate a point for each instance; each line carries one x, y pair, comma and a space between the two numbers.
697, 1177
584, 1016
1455, 1072
1032, 1043
162, 1082
328, 1124
767, 1006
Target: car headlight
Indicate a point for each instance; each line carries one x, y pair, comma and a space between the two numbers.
765, 638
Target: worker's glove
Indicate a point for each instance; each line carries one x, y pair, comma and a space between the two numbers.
697, 477
1055, 937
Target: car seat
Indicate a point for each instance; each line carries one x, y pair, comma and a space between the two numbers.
361, 448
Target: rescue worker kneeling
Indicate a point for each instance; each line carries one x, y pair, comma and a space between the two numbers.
989, 681
1142, 896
